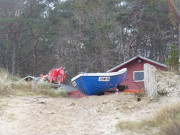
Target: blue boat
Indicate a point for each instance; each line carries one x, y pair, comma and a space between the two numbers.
96, 83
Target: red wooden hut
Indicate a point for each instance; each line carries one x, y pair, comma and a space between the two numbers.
135, 71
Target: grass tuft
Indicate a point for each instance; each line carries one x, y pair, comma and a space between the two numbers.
128, 125
11, 86
3, 103
172, 128
5, 82
47, 90
166, 115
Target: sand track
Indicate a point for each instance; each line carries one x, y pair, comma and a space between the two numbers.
95, 115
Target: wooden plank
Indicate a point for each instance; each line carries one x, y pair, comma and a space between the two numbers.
150, 81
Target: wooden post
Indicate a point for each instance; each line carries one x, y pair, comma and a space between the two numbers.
150, 82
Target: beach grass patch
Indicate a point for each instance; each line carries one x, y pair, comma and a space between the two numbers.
166, 115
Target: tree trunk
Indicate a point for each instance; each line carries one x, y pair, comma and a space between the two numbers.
79, 46
35, 55
1, 65
129, 50
179, 43
174, 9
14, 55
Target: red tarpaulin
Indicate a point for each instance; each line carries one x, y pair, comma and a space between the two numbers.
56, 75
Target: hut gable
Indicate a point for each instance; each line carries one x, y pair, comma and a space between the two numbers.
135, 71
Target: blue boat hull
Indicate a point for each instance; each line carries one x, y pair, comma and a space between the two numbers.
93, 85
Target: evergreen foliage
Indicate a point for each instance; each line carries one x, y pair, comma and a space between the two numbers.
82, 35
173, 60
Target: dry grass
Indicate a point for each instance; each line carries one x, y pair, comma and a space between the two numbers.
128, 125
47, 90
172, 128
163, 117
9, 86
5, 82
3, 103
166, 115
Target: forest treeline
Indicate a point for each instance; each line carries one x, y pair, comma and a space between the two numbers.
83, 35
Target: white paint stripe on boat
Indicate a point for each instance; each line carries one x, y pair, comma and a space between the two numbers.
100, 74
